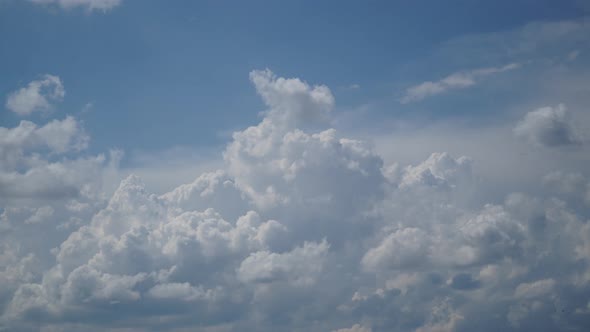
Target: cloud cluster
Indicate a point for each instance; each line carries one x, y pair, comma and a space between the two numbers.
458, 80
301, 230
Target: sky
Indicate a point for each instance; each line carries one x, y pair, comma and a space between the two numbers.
301, 165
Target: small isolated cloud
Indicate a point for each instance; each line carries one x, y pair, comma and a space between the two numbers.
458, 80
548, 126
36, 96
90, 5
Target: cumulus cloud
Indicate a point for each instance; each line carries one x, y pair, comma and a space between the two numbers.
292, 102
440, 169
36, 96
90, 5
401, 249
24, 174
458, 80
300, 266
302, 229
548, 126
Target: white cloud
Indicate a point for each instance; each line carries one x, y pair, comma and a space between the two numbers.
403, 249
548, 126
458, 80
58, 136
301, 229
300, 266
292, 102
440, 169
90, 5
24, 174
36, 96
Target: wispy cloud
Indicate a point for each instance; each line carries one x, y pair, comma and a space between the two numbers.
90, 5
458, 80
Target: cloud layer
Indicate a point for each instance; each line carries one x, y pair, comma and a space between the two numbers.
302, 229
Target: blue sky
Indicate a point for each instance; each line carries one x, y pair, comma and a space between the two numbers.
186, 65
310, 166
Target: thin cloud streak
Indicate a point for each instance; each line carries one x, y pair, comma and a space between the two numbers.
457, 80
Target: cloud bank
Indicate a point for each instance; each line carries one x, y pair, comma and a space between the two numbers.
302, 229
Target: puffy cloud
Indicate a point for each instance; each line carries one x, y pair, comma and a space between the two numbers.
458, 80
36, 96
24, 174
548, 126
140, 247
402, 249
59, 136
90, 5
215, 190
86, 285
440, 170
301, 229
299, 266
303, 178
292, 102
494, 233
46, 192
